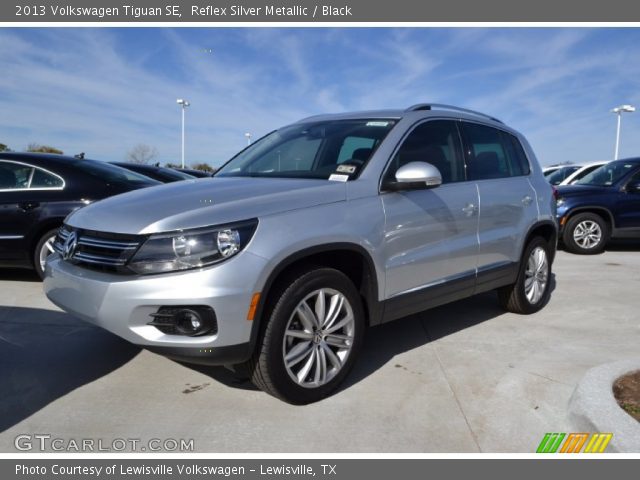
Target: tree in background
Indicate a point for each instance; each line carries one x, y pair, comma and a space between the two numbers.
141, 154
4, 148
37, 148
172, 165
205, 167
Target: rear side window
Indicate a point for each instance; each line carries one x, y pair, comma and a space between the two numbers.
436, 142
42, 179
19, 176
493, 153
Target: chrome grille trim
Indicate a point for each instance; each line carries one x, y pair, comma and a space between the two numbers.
107, 251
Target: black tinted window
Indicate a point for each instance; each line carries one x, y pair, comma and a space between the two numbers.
42, 179
14, 176
435, 142
112, 174
492, 153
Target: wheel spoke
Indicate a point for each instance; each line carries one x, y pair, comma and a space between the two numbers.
341, 324
333, 358
339, 341
304, 371
49, 245
299, 334
307, 317
320, 375
335, 307
298, 353
320, 308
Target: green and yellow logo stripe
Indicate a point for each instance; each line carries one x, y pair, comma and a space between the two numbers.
573, 442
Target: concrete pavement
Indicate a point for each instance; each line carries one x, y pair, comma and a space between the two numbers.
460, 378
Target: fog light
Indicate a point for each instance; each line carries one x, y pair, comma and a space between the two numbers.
192, 321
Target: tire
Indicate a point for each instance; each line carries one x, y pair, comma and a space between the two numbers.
40, 249
301, 381
519, 297
585, 234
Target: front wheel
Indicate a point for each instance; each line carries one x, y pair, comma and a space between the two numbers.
531, 290
312, 337
43, 249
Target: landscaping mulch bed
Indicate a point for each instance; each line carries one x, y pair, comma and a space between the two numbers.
626, 389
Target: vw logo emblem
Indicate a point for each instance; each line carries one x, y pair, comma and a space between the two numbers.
70, 245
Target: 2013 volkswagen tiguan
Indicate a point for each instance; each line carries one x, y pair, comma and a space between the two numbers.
313, 233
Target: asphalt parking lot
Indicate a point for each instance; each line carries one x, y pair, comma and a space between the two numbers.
460, 378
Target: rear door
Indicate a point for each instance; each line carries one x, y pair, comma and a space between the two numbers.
497, 163
24, 191
430, 239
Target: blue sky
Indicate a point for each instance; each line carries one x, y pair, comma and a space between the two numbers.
103, 90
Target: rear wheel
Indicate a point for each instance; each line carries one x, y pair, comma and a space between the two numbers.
531, 290
43, 249
312, 337
586, 234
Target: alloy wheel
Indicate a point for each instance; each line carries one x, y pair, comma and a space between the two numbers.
536, 275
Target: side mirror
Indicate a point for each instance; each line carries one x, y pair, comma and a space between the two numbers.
633, 186
416, 175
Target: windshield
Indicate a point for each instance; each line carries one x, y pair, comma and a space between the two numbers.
607, 174
556, 177
311, 150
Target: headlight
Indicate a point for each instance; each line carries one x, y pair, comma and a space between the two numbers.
168, 252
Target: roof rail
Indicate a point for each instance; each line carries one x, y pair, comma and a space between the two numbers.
441, 106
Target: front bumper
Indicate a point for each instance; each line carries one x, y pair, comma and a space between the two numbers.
122, 304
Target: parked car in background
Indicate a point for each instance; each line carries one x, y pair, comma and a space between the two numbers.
546, 171
559, 175
582, 172
311, 234
37, 192
604, 204
195, 173
161, 174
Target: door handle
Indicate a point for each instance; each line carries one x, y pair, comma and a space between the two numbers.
526, 200
469, 209
26, 206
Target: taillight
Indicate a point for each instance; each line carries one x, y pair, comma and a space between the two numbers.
556, 194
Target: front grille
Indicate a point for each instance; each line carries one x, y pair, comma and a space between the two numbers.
97, 250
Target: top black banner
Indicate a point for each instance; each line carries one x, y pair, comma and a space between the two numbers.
398, 11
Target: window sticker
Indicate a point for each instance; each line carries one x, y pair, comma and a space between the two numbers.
335, 177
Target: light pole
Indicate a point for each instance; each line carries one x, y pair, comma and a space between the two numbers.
618, 111
184, 103
248, 137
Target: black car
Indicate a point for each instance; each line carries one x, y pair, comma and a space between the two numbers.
601, 205
37, 191
194, 173
164, 175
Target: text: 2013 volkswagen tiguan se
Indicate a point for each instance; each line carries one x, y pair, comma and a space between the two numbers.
308, 236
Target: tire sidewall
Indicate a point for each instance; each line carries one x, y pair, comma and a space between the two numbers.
573, 222
279, 318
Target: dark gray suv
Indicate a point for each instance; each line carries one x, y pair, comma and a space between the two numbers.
313, 233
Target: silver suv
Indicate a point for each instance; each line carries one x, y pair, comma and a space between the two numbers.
313, 233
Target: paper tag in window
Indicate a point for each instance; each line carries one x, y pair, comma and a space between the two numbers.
377, 124
335, 177
346, 169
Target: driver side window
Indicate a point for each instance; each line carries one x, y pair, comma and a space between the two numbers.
436, 142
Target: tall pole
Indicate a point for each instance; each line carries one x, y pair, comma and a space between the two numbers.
183, 135
619, 111
615, 156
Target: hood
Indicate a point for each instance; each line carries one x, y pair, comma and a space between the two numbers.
203, 202
575, 190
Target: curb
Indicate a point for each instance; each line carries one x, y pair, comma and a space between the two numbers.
593, 408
